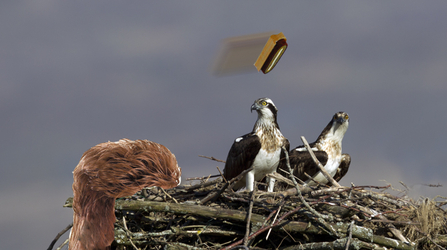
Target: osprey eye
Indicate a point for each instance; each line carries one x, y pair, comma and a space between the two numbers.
264, 103
346, 117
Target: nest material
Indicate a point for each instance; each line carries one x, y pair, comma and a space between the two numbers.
208, 215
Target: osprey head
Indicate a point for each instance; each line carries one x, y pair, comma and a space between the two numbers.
340, 122
265, 107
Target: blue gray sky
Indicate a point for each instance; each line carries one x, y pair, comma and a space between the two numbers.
77, 73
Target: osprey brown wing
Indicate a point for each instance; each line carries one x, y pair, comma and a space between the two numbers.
241, 155
302, 163
343, 168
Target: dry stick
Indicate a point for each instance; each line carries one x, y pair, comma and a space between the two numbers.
239, 177
362, 233
207, 178
211, 158
394, 230
390, 226
200, 185
162, 189
213, 195
336, 244
274, 220
348, 242
428, 237
289, 182
396, 222
279, 177
199, 178
220, 172
63, 244
228, 184
263, 229
312, 179
250, 208
320, 166
214, 159
397, 201
128, 233
59, 235
317, 214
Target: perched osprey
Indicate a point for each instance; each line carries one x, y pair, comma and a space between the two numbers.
327, 149
261, 148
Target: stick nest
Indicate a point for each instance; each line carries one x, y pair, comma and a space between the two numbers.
209, 215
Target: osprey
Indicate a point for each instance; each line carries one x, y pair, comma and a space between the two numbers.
327, 149
260, 149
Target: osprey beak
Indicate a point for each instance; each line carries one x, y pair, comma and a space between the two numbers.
340, 120
337, 124
253, 107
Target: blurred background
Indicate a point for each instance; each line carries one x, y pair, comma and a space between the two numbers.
77, 73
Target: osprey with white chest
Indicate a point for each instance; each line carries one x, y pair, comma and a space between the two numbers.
260, 149
328, 150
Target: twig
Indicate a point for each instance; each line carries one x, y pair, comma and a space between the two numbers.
396, 222
312, 179
428, 237
320, 166
274, 220
348, 242
213, 195
289, 182
433, 185
128, 233
336, 244
240, 247
162, 189
273, 212
211, 158
279, 177
59, 235
393, 229
238, 178
205, 211
313, 211
228, 184
221, 174
200, 185
199, 178
396, 201
263, 229
63, 244
247, 227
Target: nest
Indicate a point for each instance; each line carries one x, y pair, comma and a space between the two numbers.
209, 215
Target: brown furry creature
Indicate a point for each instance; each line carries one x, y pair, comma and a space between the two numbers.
108, 171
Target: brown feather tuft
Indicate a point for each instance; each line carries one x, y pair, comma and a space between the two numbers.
111, 170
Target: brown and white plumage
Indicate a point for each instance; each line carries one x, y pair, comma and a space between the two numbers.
328, 150
108, 171
260, 149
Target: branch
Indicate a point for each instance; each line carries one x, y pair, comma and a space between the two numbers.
59, 235
362, 233
211, 158
313, 211
337, 244
250, 208
239, 177
320, 166
211, 212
